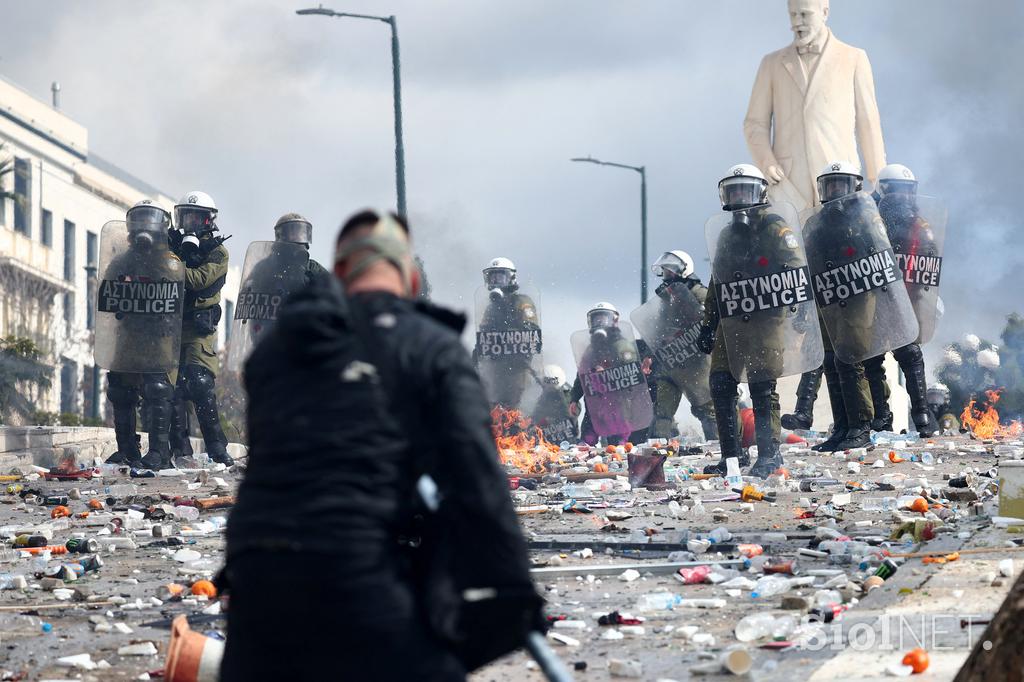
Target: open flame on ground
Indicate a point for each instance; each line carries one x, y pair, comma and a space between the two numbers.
520, 443
983, 420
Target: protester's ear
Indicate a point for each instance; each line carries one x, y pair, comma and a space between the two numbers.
339, 271
417, 282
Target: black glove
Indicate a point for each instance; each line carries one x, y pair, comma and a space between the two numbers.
706, 339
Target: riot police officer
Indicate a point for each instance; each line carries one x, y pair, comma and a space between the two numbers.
752, 239
206, 262
675, 268
506, 367
554, 413
942, 411
293, 228
908, 230
146, 341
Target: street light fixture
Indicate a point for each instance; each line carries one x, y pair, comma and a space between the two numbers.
397, 83
642, 170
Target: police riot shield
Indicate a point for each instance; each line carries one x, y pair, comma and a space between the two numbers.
140, 295
857, 281
614, 386
272, 271
509, 346
917, 232
762, 290
670, 324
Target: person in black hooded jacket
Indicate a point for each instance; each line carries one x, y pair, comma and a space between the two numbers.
341, 429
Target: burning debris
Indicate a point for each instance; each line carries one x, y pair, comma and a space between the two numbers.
521, 443
983, 419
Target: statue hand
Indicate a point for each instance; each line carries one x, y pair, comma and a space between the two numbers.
775, 175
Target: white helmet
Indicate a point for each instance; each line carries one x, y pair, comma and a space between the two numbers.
602, 315
951, 356
676, 263
988, 358
743, 186
195, 213
937, 394
839, 179
500, 273
896, 178
147, 223
972, 341
553, 374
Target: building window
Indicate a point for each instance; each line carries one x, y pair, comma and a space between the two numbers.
69, 251
229, 315
68, 386
91, 241
23, 197
46, 232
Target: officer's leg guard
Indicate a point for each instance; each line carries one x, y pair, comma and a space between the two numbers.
125, 399
767, 429
806, 394
912, 363
835, 398
158, 394
857, 397
706, 415
668, 396
724, 395
181, 445
874, 372
201, 385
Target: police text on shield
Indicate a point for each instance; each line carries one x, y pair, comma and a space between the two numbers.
920, 270
855, 278
764, 292
617, 378
139, 298
514, 342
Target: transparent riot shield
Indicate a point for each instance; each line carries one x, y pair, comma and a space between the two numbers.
762, 289
509, 346
614, 386
670, 324
857, 281
140, 294
917, 232
272, 271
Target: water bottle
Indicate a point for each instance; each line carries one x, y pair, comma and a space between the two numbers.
121, 490
754, 626
658, 601
928, 459
13, 581
769, 586
184, 513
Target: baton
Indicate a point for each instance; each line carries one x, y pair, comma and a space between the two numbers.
550, 664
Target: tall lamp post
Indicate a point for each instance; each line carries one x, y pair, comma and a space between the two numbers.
642, 170
397, 83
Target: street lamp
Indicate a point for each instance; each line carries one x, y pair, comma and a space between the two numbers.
397, 82
642, 170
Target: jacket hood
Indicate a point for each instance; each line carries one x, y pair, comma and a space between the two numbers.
314, 320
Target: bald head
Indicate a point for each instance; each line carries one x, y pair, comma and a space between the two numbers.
807, 19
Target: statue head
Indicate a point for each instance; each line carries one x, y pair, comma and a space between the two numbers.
807, 19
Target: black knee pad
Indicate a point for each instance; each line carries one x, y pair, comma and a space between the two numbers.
875, 367
908, 355
761, 389
723, 383
157, 388
122, 396
198, 381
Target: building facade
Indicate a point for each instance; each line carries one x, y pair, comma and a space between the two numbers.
50, 244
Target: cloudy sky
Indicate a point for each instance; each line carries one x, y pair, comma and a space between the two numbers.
272, 112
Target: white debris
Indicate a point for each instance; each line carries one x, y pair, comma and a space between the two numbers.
140, 649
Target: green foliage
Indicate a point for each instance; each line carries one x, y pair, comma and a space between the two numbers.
20, 368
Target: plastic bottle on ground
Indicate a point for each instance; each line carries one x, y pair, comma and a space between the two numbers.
769, 586
754, 626
658, 601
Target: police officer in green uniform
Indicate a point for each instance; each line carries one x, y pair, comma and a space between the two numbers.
292, 227
672, 383
147, 223
827, 232
508, 309
896, 196
206, 262
942, 411
554, 414
755, 236
806, 394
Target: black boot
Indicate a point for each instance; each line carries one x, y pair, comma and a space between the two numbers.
724, 395
181, 444
874, 372
159, 394
806, 394
765, 401
706, 415
835, 399
125, 401
912, 363
855, 396
201, 389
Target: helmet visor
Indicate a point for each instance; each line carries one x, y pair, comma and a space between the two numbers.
886, 187
498, 278
832, 187
602, 319
297, 231
742, 192
668, 267
148, 219
192, 220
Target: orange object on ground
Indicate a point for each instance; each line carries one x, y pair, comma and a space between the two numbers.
749, 550
918, 660
60, 511
894, 458
215, 502
628, 447
920, 505
600, 467
191, 656
52, 549
746, 427
204, 588
95, 504
609, 449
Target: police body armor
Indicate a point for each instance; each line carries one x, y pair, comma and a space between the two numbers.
272, 272
614, 386
916, 226
509, 345
857, 280
762, 289
670, 324
139, 302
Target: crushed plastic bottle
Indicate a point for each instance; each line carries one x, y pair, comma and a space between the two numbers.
121, 490
770, 585
658, 601
754, 626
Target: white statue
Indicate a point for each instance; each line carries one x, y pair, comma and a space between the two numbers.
820, 95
